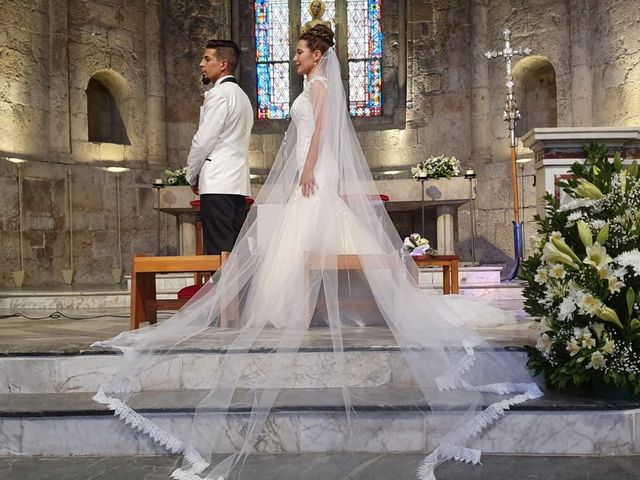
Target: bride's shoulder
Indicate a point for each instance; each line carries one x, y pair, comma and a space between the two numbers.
316, 82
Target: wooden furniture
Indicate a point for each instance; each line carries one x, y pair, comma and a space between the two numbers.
144, 304
351, 262
450, 267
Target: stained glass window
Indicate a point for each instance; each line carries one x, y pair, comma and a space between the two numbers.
364, 45
272, 58
364, 54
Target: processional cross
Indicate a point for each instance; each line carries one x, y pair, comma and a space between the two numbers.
511, 115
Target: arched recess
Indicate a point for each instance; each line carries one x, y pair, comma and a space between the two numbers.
536, 93
107, 99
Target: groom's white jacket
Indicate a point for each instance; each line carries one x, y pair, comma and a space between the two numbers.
218, 161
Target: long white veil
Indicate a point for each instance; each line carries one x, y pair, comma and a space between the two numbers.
332, 261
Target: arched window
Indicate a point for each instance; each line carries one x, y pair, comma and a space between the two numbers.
535, 87
275, 30
104, 118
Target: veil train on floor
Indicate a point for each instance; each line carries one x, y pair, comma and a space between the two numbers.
331, 261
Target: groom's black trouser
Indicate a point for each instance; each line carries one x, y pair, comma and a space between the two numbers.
222, 216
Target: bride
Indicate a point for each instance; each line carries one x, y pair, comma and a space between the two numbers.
318, 248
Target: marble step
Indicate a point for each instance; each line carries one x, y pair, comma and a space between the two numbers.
116, 297
312, 421
325, 466
468, 275
313, 367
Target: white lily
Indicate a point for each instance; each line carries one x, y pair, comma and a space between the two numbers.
608, 347
541, 276
589, 304
557, 271
597, 256
614, 284
544, 343
573, 347
597, 361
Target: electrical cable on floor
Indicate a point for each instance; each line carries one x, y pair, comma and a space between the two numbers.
57, 314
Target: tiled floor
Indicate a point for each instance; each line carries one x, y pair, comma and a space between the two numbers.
395, 466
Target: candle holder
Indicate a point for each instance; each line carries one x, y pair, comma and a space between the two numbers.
422, 179
18, 275
116, 272
67, 274
157, 185
471, 175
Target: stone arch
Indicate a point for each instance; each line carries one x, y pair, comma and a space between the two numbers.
536, 93
107, 99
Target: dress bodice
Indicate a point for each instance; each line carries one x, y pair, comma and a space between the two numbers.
302, 118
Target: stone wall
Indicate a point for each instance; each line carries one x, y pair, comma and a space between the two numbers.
615, 62
48, 52
24, 77
46, 220
148, 51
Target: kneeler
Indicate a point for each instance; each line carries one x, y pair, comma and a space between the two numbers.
353, 262
199, 278
349, 262
145, 304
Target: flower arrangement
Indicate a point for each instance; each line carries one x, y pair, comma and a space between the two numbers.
437, 167
583, 279
176, 177
417, 246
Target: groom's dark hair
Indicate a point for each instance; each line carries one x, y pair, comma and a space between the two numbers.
226, 50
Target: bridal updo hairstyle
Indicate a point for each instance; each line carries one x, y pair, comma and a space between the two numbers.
319, 37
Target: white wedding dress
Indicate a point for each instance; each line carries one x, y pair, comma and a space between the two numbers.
333, 258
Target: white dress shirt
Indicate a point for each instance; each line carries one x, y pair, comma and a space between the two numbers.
218, 161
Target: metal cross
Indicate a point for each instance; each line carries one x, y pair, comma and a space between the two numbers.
512, 115
511, 112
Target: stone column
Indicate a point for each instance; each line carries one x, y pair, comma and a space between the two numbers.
581, 76
445, 224
186, 233
59, 124
156, 92
480, 105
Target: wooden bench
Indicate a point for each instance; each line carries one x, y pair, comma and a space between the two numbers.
144, 303
353, 262
450, 267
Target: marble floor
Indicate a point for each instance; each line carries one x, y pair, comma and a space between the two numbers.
327, 467
42, 331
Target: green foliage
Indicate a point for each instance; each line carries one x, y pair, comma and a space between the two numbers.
582, 279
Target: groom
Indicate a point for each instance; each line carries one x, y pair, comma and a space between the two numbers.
218, 162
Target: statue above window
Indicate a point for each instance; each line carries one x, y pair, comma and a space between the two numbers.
317, 9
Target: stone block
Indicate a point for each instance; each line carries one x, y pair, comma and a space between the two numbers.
79, 127
186, 131
111, 152
105, 15
36, 194
257, 159
86, 198
134, 19
256, 143
120, 39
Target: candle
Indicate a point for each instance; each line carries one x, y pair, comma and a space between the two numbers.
157, 181
469, 171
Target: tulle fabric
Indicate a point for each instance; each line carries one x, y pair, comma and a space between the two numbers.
331, 261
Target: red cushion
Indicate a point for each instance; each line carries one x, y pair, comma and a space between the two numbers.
187, 292
248, 201
381, 197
